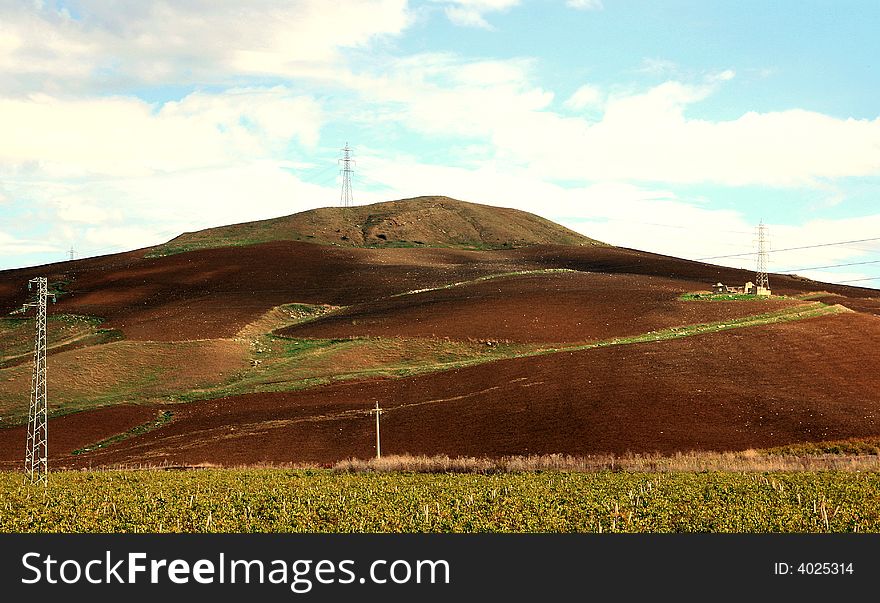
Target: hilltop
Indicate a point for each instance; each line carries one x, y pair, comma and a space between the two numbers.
418, 222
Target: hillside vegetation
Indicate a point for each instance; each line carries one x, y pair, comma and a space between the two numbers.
417, 222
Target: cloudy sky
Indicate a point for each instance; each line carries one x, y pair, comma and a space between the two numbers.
671, 126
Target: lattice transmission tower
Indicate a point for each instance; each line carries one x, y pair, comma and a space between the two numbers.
347, 162
761, 279
36, 456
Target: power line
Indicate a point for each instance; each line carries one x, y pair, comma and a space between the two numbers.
598, 220
831, 266
855, 280
739, 255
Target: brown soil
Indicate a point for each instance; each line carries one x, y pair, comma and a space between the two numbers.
867, 305
616, 260
73, 432
767, 386
541, 308
216, 292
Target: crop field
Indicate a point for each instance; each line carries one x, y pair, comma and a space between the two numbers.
275, 500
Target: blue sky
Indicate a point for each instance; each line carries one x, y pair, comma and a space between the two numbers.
670, 126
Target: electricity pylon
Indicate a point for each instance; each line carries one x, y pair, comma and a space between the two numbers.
346, 171
762, 281
36, 456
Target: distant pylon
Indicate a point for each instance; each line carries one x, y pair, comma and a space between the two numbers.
36, 456
346, 171
762, 281
72, 253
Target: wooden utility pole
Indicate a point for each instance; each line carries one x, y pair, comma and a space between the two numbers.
378, 411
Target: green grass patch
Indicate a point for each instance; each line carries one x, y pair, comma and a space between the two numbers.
838, 447
714, 297
294, 348
326, 501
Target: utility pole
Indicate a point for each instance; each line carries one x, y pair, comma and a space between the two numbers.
378, 411
36, 456
346, 171
762, 281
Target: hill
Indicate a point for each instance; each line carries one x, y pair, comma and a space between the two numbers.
417, 222
274, 351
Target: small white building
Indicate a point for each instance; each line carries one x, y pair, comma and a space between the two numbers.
753, 289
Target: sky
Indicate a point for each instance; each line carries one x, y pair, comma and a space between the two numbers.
671, 126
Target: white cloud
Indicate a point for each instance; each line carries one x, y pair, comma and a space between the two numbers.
470, 13
658, 67
196, 41
126, 136
441, 94
74, 208
118, 237
110, 215
642, 136
11, 246
466, 17
213, 197
585, 97
585, 4
723, 76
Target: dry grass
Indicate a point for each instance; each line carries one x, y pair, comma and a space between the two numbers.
691, 462
749, 460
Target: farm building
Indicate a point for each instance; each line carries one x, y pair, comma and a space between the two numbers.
748, 289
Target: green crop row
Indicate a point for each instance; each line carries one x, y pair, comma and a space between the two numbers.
276, 500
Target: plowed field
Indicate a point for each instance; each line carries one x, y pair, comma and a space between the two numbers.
710, 392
